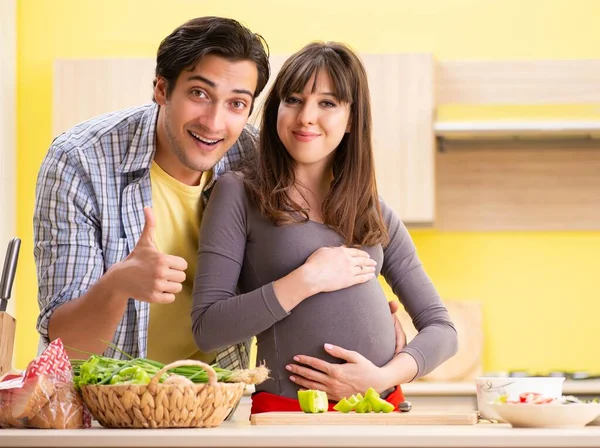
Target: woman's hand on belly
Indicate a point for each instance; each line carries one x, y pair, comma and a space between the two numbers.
338, 380
335, 268
343, 380
327, 269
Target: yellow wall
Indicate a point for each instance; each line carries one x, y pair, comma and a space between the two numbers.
539, 289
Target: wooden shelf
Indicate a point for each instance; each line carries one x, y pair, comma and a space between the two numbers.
487, 129
501, 184
533, 128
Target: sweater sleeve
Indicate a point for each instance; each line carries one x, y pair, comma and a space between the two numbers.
436, 340
220, 316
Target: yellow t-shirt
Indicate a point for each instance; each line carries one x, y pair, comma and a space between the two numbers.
177, 211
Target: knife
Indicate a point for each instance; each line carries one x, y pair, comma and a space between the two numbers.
9, 271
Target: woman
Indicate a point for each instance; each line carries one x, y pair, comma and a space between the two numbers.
303, 235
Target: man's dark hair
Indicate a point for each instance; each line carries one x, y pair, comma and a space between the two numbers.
202, 36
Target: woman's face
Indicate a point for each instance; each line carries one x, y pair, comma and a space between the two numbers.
312, 124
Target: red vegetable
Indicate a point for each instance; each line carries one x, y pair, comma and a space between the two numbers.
534, 398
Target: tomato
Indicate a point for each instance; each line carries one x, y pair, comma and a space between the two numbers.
528, 397
534, 398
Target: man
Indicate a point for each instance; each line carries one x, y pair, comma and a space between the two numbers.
98, 244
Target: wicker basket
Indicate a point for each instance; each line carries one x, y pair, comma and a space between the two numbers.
176, 403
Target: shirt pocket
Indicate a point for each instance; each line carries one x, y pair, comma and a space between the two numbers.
115, 250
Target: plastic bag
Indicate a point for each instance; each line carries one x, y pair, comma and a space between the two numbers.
44, 396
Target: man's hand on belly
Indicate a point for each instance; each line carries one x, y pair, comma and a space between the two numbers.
400, 335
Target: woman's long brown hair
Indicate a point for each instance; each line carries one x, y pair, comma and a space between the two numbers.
351, 207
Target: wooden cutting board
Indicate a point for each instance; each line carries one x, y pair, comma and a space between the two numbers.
7, 341
393, 418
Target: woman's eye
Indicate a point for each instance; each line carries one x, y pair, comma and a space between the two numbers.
292, 100
328, 104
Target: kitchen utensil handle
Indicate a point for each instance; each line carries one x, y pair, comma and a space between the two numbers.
5, 268
10, 267
405, 406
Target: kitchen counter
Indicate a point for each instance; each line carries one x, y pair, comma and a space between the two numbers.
424, 388
462, 395
431, 388
457, 396
241, 434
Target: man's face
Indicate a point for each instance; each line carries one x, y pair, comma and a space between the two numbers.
203, 116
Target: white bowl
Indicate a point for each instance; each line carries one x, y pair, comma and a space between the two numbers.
522, 415
489, 389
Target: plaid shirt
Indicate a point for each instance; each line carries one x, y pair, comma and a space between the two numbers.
91, 190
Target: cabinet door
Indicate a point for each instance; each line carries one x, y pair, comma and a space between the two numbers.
402, 92
85, 88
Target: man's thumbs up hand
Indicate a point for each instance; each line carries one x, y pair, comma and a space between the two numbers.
147, 274
147, 236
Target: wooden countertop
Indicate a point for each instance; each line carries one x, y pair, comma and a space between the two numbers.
241, 434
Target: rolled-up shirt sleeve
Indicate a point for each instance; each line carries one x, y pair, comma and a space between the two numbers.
67, 248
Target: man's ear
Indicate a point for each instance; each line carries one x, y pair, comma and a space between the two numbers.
160, 91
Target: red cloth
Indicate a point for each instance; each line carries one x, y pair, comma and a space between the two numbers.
267, 402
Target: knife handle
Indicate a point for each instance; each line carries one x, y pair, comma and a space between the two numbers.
405, 406
10, 268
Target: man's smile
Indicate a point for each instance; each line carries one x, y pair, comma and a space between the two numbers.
205, 140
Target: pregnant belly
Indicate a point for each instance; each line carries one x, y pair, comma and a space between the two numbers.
356, 318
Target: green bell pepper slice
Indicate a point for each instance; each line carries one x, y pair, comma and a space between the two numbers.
313, 401
377, 403
345, 405
131, 375
363, 407
383, 406
352, 399
371, 393
371, 402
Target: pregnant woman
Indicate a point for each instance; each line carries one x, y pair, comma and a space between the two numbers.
291, 247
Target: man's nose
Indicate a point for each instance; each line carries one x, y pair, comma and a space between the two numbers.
214, 118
